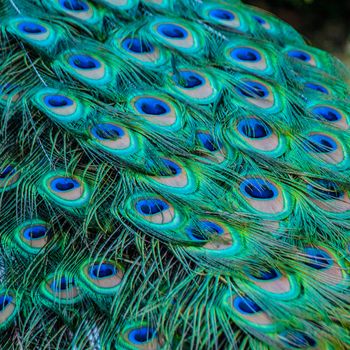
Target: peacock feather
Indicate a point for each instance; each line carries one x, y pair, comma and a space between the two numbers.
173, 175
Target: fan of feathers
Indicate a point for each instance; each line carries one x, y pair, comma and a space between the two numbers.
174, 174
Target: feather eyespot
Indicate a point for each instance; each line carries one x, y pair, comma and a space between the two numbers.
84, 62
157, 109
273, 282
8, 309
327, 113
136, 45
326, 148
151, 106
246, 312
5, 301
151, 206
317, 87
265, 197
74, 5
31, 28
189, 79
62, 284
297, 339
245, 305
139, 49
194, 85
172, 176
203, 230
300, 55
253, 89
35, 232
259, 19
172, 31
208, 142
32, 236
88, 68
258, 93
55, 101
318, 259
63, 184
320, 143
182, 35
254, 128
258, 189
172, 169
107, 131
152, 210
253, 134
114, 139
61, 106
325, 189
222, 14
142, 335
7, 172
103, 270
67, 191
246, 54
8, 177
265, 275
217, 151
60, 288
102, 277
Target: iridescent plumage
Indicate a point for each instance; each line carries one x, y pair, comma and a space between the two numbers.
173, 175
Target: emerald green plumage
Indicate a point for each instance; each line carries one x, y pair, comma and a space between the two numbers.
173, 175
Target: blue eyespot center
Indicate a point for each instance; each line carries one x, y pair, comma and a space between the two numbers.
7, 172
103, 270
55, 101
84, 62
327, 113
74, 5
317, 87
64, 184
299, 55
318, 258
252, 89
326, 189
297, 339
189, 79
319, 143
222, 14
136, 45
246, 54
253, 128
151, 206
258, 189
5, 300
246, 305
151, 106
202, 230
171, 168
35, 232
62, 284
142, 335
31, 28
208, 142
260, 20
107, 131
172, 31
265, 275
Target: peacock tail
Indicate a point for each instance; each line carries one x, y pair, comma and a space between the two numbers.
173, 175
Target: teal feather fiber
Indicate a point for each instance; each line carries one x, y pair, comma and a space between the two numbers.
173, 175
